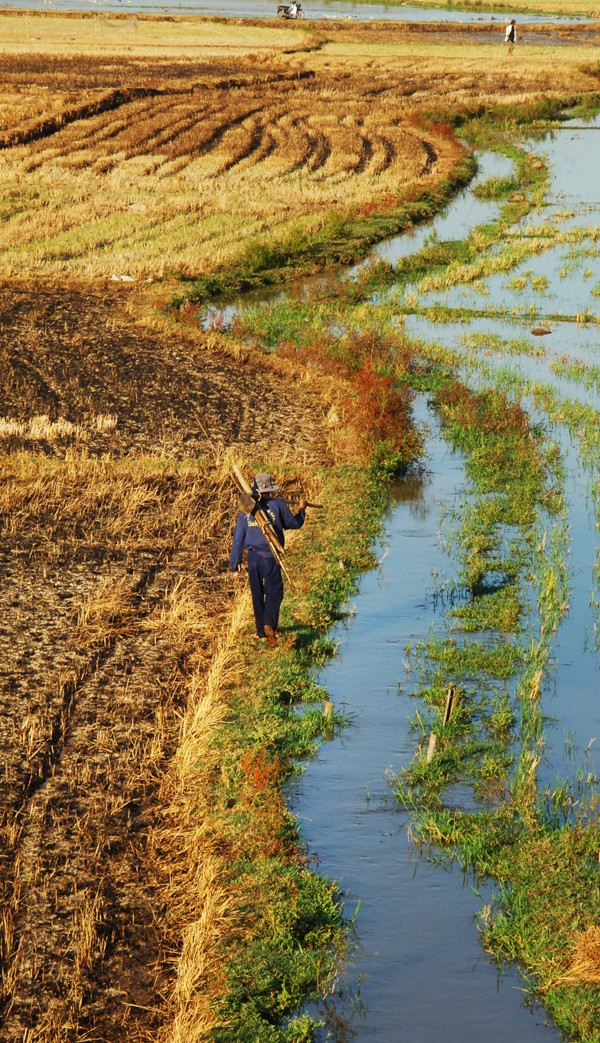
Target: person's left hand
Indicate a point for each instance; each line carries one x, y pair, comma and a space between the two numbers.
303, 504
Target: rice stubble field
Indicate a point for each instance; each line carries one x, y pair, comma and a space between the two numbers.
131, 159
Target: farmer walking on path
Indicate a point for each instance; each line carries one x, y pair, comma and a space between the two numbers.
510, 35
264, 571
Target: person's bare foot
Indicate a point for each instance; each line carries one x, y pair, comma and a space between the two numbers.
271, 637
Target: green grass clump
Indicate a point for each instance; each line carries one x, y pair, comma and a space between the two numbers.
499, 660
496, 188
286, 958
500, 609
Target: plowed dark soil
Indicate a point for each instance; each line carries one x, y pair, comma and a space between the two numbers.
100, 532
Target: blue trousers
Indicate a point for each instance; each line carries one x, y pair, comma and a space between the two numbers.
266, 588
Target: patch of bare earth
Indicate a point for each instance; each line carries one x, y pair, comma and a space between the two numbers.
113, 564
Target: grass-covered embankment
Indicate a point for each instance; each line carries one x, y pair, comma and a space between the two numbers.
342, 238
264, 928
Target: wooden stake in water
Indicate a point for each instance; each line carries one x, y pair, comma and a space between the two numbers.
431, 747
450, 704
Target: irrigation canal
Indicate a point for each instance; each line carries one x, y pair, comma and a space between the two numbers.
418, 972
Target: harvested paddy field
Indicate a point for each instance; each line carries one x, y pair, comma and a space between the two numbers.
190, 165
132, 158
115, 525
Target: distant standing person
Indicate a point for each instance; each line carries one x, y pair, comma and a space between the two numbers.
510, 36
264, 571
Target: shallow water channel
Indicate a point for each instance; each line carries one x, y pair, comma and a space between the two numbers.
418, 972
552, 290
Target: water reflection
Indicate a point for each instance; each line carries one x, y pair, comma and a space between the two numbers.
337, 10
418, 972
413, 491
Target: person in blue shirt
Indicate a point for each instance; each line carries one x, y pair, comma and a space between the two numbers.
264, 571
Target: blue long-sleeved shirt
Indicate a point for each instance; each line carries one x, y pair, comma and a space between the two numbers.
248, 533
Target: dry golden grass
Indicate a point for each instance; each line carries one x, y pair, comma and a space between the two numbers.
42, 428
114, 550
173, 171
175, 185
197, 898
584, 968
100, 674
115, 569
54, 34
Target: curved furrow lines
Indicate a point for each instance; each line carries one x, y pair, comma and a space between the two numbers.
68, 145
163, 138
293, 144
384, 155
201, 138
320, 149
431, 156
345, 149
238, 144
267, 147
92, 133
139, 133
275, 144
365, 155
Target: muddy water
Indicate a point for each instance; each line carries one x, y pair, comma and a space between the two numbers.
418, 972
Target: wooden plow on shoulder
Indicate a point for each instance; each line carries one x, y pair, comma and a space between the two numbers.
251, 504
